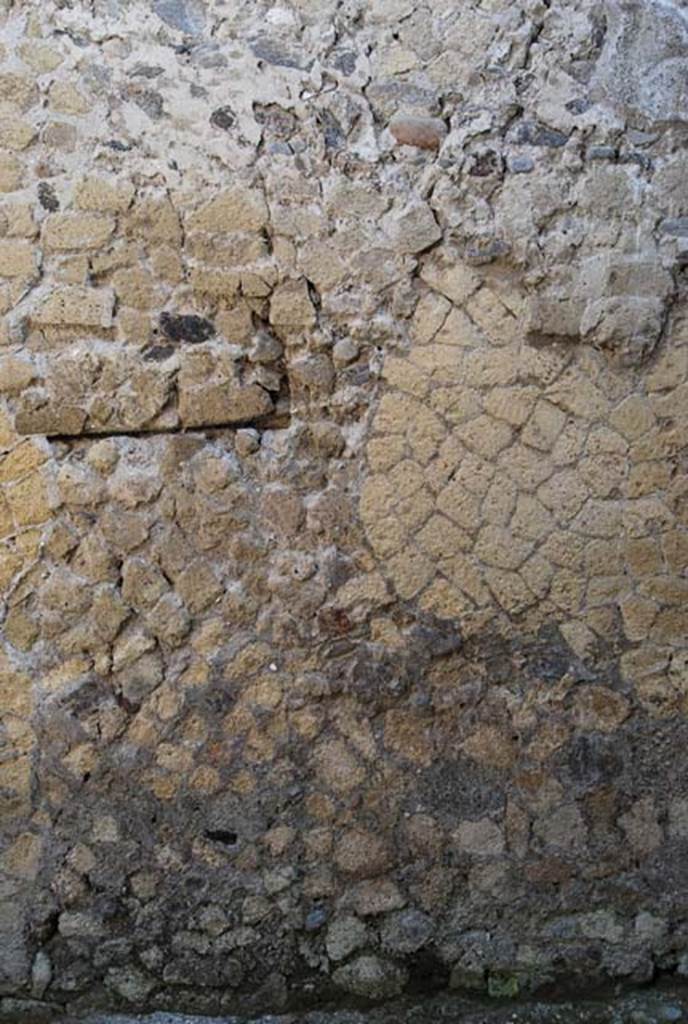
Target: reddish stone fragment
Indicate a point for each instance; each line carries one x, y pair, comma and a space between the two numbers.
422, 132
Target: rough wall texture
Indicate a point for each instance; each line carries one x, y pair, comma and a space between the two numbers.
343, 543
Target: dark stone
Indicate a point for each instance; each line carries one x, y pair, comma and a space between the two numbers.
484, 165
578, 106
158, 353
149, 101
119, 147
345, 62
223, 118
456, 789
222, 835
530, 133
315, 919
641, 159
277, 121
357, 374
594, 759
331, 129
267, 50
34, 1010
549, 657
375, 678
146, 71
407, 931
114, 951
81, 41
186, 327
206, 971
333, 622
600, 27
47, 197
601, 153
437, 639
15, 963
427, 974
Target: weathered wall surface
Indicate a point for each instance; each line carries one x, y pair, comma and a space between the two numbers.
344, 369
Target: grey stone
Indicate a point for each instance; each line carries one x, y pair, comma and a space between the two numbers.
345, 61
671, 1013
675, 226
521, 164
273, 52
14, 962
223, 117
344, 936
41, 973
529, 133
407, 931
628, 327
601, 153
371, 977
76, 924
208, 55
642, 64
33, 1011
147, 71
150, 101
315, 919
185, 15
643, 160
484, 251
131, 985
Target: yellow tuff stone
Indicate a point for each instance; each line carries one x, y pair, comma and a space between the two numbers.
66, 231
11, 172
103, 195
65, 98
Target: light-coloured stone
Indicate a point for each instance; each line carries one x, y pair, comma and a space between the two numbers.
71, 305
65, 232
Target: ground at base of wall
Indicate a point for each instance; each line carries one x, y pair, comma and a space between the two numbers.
665, 1005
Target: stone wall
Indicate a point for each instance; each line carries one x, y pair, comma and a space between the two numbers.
343, 505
